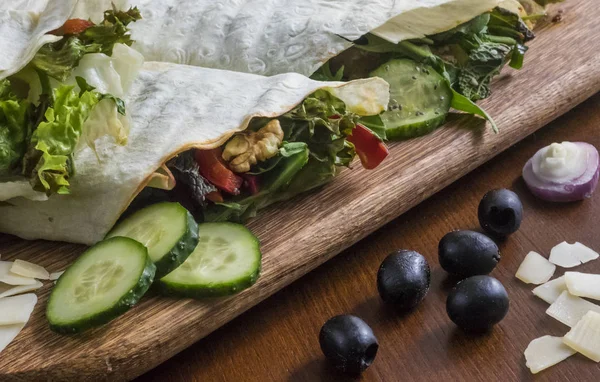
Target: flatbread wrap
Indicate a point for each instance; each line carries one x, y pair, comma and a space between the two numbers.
222, 144
435, 54
62, 86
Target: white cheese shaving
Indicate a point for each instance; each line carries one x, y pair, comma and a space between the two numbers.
17, 309
569, 309
583, 284
571, 255
546, 351
7, 277
550, 291
27, 269
584, 253
585, 336
535, 269
56, 275
8, 333
562, 256
7, 290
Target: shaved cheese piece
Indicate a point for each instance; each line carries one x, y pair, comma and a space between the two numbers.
569, 309
535, 269
571, 255
546, 351
11, 290
584, 253
562, 256
7, 277
550, 291
56, 275
16, 309
8, 333
27, 269
583, 284
585, 336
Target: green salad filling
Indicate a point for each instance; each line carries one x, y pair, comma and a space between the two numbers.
428, 76
40, 131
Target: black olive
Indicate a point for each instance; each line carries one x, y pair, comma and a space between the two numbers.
500, 212
348, 343
477, 303
468, 253
403, 279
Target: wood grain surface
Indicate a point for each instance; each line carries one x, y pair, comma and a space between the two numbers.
278, 340
562, 70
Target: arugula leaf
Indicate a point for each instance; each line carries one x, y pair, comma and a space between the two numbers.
324, 73
112, 30
375, 124
48, 161
462, 103
484, 62
286, 150
505, 23
58, 59
15, 128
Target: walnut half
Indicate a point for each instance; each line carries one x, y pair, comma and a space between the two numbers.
247, 148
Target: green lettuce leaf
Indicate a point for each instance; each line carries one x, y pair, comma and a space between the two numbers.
112, 30
484, 62
15, 128
49, 159
58, 59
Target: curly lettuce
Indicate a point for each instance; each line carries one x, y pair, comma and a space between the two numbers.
48, 162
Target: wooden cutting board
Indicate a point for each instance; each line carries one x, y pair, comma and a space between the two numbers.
562, 69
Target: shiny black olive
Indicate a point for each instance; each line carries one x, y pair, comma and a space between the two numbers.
403, 279
348, 343
500, 212
477, 303
468, 253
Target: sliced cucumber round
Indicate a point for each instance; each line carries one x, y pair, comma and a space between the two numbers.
103, 283
420, 98
167, 229
226, 261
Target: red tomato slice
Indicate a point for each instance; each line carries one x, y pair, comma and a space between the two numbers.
215, 171
72, 26
370, 149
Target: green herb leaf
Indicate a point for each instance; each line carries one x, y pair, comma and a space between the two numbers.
15, 128
59, 58
462, 103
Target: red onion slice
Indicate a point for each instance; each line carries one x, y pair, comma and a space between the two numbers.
577, 188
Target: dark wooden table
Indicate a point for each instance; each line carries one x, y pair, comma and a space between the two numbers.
278, 339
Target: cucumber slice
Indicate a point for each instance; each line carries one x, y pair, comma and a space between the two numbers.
167, 229
226, 261
103, 283
419, 98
